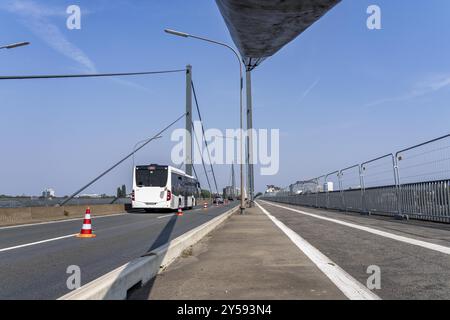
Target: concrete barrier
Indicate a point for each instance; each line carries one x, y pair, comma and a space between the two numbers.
15, 216
116, 284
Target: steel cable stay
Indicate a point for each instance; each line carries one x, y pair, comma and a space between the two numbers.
122, 160
96, 75
89, 75
204, 137
203, 162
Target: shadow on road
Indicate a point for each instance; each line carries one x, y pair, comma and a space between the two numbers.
164, 235
143, 271
142, 211
162, 239
142, 291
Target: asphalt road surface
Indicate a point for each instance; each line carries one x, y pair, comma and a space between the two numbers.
413, 256
34, 259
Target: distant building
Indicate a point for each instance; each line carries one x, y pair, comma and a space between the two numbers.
90, 195
302, 187
271, 188
229, 192
328, 186
48, 193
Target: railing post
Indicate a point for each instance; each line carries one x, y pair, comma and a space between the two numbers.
327, 194
317, 192
397, 184
363, 188
341, 191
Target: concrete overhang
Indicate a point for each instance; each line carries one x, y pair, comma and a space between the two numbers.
260, 28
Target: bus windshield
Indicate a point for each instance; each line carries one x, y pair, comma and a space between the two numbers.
151, 176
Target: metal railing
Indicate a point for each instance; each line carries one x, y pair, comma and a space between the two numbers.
410, 183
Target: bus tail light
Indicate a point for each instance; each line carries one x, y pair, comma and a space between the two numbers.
169, 195
132, 195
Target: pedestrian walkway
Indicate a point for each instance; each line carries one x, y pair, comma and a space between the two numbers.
247, 257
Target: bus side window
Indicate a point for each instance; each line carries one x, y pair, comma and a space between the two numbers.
174, 184
184, 185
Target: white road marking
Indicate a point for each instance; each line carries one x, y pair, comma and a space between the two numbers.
349, 286
60, 221
419, 243
166, 216
37, 242
63, 237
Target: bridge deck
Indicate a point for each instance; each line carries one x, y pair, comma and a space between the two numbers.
248, 257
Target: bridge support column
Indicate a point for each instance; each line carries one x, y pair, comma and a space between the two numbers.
250, 176
188, 141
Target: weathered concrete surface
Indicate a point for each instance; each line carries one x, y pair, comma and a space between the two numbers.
14, 216
248, 257
260, 28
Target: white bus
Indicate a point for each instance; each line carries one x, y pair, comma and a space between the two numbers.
163, 187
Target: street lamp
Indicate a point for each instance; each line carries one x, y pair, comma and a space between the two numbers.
187, 35
15, 45
141, 142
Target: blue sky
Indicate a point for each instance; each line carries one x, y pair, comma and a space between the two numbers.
339, 93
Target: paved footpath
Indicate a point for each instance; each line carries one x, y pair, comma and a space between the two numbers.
247, 257
411, 259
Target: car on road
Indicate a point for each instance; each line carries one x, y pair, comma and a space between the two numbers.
218, 200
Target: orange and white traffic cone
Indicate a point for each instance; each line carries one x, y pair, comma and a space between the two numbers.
86, 229
180, 211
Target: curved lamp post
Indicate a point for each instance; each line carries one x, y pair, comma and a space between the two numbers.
187, 35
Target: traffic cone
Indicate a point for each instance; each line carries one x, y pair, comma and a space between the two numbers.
180, 211
86, 229
205, 205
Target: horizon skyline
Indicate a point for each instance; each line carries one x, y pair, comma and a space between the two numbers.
346, 93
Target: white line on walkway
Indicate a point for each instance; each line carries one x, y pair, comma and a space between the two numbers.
419, 243
349, 286
38, 242
60, 221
